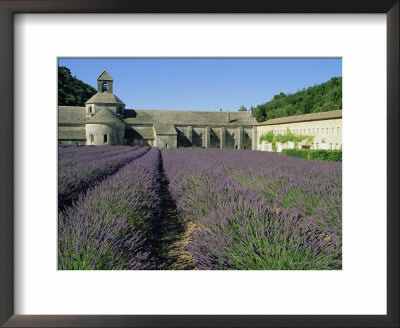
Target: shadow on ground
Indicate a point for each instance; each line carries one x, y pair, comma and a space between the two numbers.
171, 234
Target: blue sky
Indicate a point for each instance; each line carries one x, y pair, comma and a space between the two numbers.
203, 83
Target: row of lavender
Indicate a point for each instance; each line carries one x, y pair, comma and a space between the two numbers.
72, 156
307, 186
257, 210
109, 226
90, 169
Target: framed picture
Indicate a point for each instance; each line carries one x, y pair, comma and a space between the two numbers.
37, 292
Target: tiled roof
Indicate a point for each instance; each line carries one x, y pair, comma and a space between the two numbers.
178, 117
70, 115
104, 97
165, 129
304, 118
105, 76
71, 133
140, 133
104, 116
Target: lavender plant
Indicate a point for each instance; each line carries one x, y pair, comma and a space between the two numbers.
73, 179
108, 226
75, 157
257, 210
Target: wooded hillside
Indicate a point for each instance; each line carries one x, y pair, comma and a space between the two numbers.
320, 98
72, 91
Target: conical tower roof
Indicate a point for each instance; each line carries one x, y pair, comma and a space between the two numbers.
104, 116
104, 97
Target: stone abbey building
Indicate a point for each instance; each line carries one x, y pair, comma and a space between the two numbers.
105, 121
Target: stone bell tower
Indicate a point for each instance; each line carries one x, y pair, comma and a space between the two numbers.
105, 82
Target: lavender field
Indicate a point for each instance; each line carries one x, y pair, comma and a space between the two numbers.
207, 209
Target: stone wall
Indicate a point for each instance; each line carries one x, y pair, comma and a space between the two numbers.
72, 142
198, 137
166, 141
247, 138
231, 138
113, 108
215, 137
184, 136
95, 134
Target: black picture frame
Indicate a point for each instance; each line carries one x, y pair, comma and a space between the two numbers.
10, 7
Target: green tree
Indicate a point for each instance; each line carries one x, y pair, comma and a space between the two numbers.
242, 109
72, 91
323, 97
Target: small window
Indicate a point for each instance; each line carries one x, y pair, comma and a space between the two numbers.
90, 109
91, 138
313, 130
317, 130
327, 130
333, 130
338, 130
337, 146
308, 131
317, 146
105, 138
330, 146
322, 130
233, 135
105, 87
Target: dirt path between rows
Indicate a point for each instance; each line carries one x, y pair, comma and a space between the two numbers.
171, 234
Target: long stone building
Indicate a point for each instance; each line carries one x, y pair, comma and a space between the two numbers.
324, 127
104, 120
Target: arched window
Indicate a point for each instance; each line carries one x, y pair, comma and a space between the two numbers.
105, 138
90, 109
91, 138
333, 130
317, 130
233, 135
338, 130
104, 87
